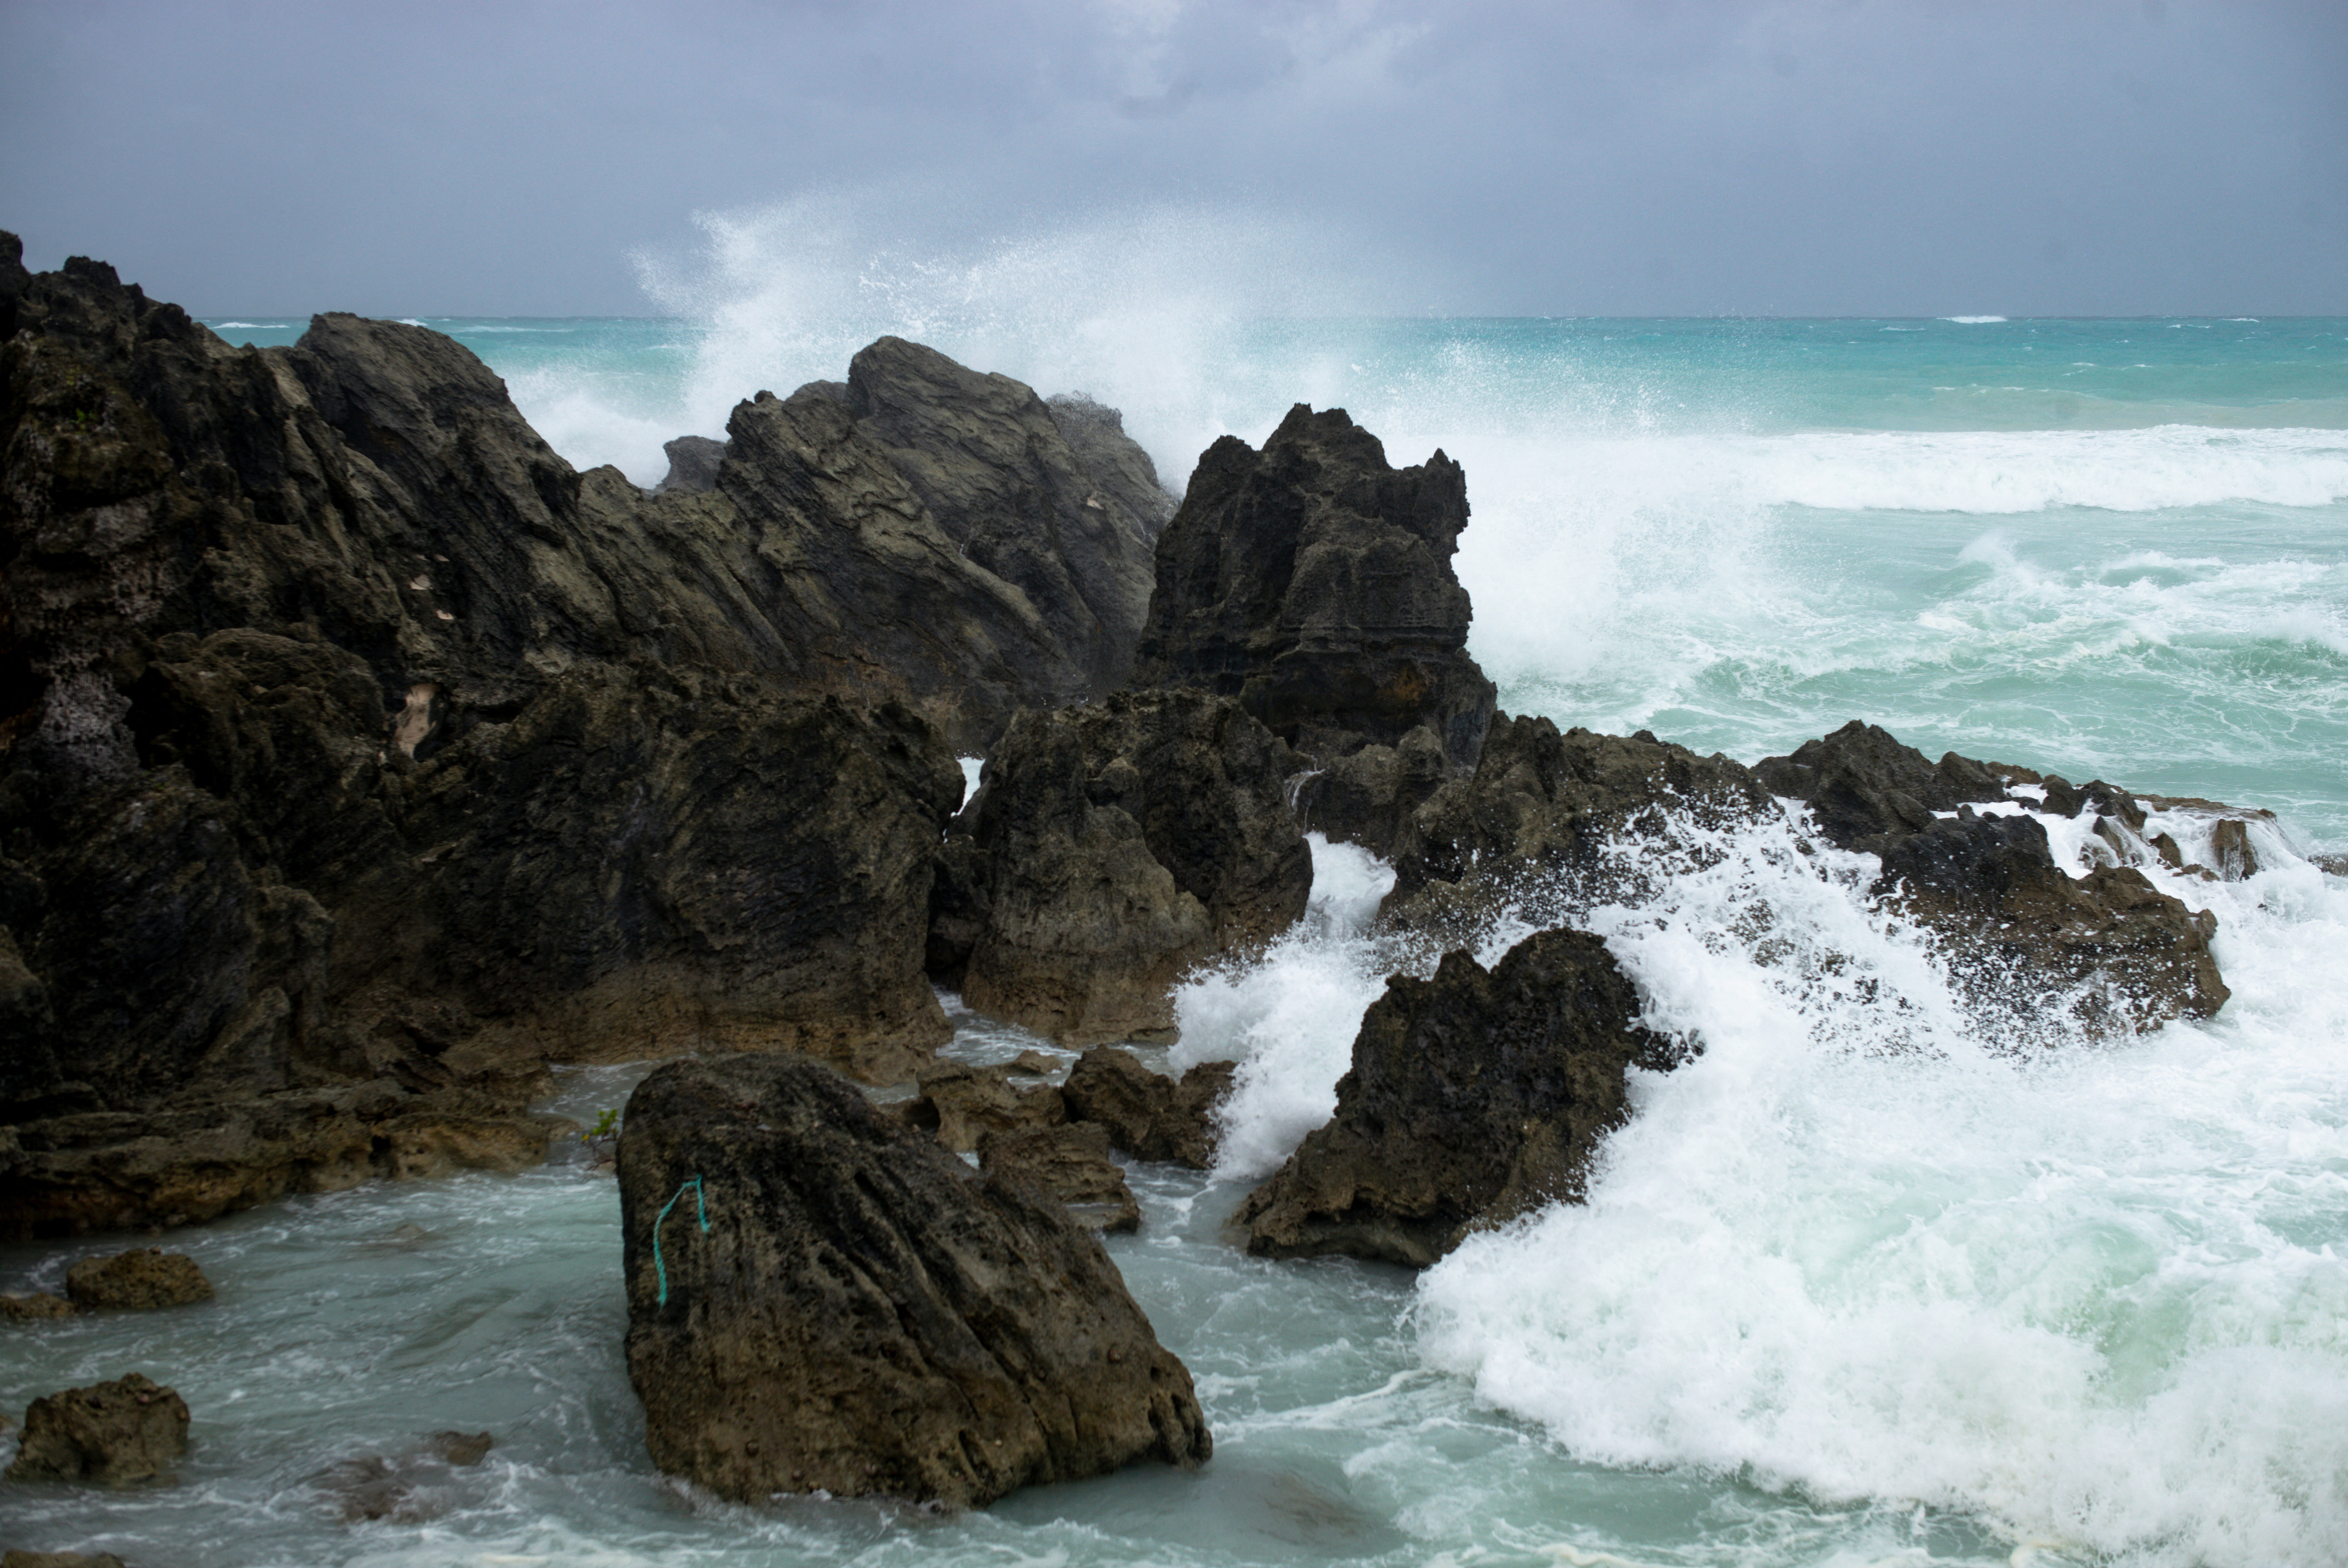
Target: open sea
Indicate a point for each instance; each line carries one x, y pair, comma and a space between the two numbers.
1868, 1281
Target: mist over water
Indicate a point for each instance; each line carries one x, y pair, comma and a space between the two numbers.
1881, 1275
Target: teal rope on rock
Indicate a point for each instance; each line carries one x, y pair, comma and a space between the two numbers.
701, 1207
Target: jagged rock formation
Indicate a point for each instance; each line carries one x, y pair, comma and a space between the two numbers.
692, 463
821, 1298
349, 737
1312, 581
959, 1104
1120, 842
116, 1434
1147, 1115
1474, 1097
1540, 801
2110, 947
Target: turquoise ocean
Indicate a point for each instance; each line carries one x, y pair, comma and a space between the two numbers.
1868, 1281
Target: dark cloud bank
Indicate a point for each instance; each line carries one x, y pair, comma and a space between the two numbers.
1643, 157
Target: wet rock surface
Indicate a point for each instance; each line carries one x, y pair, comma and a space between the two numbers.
139, 1280
34, 1306
1121, 842
1147, 1115
1312, 581
819, 1298
1072, 1163
407, 1487
959, 1105
1474, 1097
115, 1434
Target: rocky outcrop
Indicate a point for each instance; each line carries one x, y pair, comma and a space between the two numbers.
349, 736
822, 1299
139, 1280
1147, 1115
1051, 498
38, 1305
2023, 934
1541, 803
1121, 842
1312, 581
1474, 1097
1070, 1162
116, 1434
692, 463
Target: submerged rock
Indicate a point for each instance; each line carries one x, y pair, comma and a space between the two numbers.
1147, 1115
1313, 582
116, 1434
407, 1489
16, 1559
142, 1279
1474, 1097
820, 1298
37, 1305
1121, 842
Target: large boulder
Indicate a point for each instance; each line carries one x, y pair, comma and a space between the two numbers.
1312, 581
1474, 1097
1123, 841
119, 1433
820, 1298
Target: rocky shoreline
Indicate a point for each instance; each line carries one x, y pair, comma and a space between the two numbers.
360, 759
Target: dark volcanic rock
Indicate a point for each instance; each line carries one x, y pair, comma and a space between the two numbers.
1541, 802
138, 1280
2110, 947
1052, 498
1474, 1097
818, 1297
1070, 1162
1147, 1115
1313, 582
1123, 841
349, 736
115, 1433
1867, 791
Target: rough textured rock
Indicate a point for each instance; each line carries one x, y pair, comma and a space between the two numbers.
1474, 1097
1070, 1162
818, 1297
408, 1488
1540, 801
139, 1280
2110, 947
960, 1104
1123, 841
39, 1304
1050, 497
1312, 581
349, 736
1147, 1115
102, 1171
116, 1433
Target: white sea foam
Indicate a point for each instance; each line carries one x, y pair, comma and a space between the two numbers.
2081, 1294
1972, 321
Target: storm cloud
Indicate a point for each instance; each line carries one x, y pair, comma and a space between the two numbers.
1873, 157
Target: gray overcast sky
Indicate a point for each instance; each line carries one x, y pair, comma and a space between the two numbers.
1832, 157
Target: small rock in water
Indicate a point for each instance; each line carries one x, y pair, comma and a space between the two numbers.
138, 1280
1036, 1063
407, 1233
15, 1559
132, 1429
40, 1304
2229, 842
462, 1447
1073, 1164
1147, 1115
